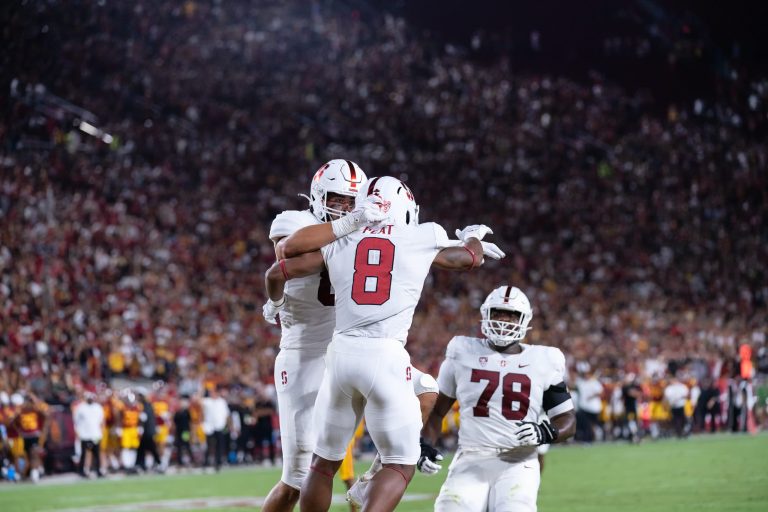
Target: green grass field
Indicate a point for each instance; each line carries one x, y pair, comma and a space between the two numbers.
719, 473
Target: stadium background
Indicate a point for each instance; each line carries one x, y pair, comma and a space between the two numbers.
617, 149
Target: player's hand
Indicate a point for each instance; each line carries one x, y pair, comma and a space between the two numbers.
430, 458
492, 251
369, 211
272, 309
474, 231
528, 433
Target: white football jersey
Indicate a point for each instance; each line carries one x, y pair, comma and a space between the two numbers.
378, 275
308, 319
495, 390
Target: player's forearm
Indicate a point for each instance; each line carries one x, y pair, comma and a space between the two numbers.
432, 427
307, 239
465, 257
566, 426
274, 282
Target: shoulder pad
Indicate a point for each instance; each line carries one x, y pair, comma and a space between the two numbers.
290, 221
462, 345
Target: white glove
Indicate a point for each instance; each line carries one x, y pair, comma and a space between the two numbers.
528, 433
429, 460
368, 212
272, 309
525, 434
492, 251
474, 231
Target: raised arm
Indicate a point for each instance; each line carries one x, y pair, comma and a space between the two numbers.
468, 251
312, 238
306, 240
464, 257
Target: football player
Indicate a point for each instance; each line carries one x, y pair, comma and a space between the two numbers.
129, 431
307, 320
377, 257
506, 391
32, 422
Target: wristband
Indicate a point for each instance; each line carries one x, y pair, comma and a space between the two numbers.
346, 224
282, 268
278, 303
471, 253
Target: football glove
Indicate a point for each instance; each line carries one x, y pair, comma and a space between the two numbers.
429, 461
474, 231
272, 309
528, 433
368, 212
492, 251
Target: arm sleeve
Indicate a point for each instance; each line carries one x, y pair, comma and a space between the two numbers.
557, 398
446, 378
441, 237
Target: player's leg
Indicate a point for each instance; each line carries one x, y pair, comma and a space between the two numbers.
425, 388
393, 417
466, 487
297, 379
347, 471
32, 449
517, 487
338, 411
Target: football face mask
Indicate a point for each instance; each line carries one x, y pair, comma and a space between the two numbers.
505, 315
335, 178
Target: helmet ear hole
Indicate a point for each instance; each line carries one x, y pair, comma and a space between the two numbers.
407, 217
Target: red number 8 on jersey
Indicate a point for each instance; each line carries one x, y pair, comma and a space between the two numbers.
372, 282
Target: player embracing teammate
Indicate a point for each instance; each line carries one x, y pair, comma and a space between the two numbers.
377, 258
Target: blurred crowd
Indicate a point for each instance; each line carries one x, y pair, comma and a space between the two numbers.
135, 430
145, 148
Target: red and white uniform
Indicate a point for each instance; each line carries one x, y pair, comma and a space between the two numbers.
307, 324
495, 390
307, 320
378, 275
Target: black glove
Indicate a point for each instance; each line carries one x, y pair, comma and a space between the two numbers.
428, 462
528, 433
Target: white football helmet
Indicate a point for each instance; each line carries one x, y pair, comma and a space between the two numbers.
396, 198
507, 298
337, 176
